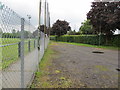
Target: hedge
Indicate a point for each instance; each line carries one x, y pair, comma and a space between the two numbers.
89, 39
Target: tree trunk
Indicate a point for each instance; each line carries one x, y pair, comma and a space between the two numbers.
108, 38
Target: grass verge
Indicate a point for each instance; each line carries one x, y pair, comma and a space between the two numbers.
40, 80
95, 46
49, 76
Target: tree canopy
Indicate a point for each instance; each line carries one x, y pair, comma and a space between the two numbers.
105, 17
72, 32
86, 28
60, 28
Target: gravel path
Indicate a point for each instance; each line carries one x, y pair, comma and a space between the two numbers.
85, 68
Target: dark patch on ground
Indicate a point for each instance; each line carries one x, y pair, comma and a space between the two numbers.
98, 52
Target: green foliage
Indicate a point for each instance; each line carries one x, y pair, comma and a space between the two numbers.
89, 39
94, 46
16, 34
86, 28
60, 28
52, 37
105, 16
73, 32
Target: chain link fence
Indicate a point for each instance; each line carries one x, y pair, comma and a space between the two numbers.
20, 56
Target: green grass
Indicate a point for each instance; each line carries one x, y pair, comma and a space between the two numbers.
102, 68
10, 53
43, 69
9, 40
95, 46
42, 79
46, 58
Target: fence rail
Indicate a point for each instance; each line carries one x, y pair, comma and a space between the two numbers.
8, 44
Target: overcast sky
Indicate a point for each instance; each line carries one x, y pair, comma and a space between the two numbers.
73, 11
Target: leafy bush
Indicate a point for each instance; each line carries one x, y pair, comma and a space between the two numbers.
89, 39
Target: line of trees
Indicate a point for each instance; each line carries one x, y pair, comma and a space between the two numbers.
16, 34
103, 18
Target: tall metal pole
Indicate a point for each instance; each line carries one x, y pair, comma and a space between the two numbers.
48, 19
47, 15
40, 13
29, 17
44, 24
39, 25
49, 24
39, 32
22, 52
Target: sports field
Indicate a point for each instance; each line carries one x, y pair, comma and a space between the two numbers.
10, 50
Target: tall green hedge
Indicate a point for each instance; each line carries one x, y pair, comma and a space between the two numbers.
89, 39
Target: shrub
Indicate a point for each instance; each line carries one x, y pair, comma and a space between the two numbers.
89, 39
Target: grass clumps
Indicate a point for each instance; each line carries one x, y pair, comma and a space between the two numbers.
48, 75
41, 77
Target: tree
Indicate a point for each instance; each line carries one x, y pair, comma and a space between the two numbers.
28, 34
35, 33
105, 17
18, 34
72, 32
13, 31
42, 27
86, 28
1, 32
60, 28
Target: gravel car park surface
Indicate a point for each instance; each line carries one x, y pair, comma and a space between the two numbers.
80, 67
85, 68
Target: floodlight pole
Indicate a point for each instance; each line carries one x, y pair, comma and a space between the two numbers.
49, 24
48, 19
44, 23
29, 17
22, 53
39, 25
39, 32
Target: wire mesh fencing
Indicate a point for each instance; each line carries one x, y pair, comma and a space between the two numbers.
10, 25
19, 57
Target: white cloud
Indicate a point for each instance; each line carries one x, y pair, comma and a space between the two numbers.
73, 11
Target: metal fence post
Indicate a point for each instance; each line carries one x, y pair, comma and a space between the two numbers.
19, 49
34, 43
22, 52
29, 46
